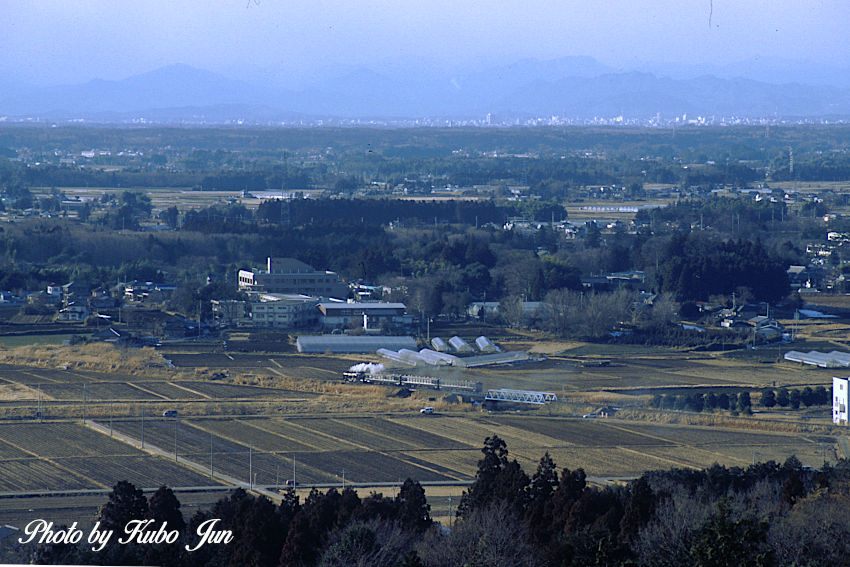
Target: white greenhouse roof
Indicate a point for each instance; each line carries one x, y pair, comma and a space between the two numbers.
832, 359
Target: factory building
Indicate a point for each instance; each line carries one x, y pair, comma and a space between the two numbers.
369, 316
291, 276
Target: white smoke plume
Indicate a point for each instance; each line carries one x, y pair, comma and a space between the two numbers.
367, 367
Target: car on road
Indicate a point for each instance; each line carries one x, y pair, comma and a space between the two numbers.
427, 411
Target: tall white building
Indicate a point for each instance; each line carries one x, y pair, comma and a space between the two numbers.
840, 388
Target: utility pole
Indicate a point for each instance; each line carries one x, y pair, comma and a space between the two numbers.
39, 403
175, 438
251, 467
85, 399
143, 427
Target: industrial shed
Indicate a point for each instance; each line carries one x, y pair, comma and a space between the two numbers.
344, 344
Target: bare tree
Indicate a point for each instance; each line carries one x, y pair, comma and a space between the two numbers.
511, 311
663, 310
810, 533
665, 541
489, 537
367, 544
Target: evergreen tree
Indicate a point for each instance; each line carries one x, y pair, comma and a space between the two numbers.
538, 514
126, 503
768, 398
808, 396
794, 398
164, 507
414, 512
494, 460
782, 397
640, 507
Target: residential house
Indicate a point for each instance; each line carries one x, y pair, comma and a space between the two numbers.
74, 311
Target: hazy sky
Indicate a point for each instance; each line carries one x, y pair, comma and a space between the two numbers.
53, 41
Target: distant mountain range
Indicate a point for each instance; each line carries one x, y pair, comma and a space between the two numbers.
573, 88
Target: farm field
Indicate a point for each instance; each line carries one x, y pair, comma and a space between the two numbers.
289, 364
245, 427
164, 197
68, 456
563, 375
58, 385
251, 376
12, 341
447, 448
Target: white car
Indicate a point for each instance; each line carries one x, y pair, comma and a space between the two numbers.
427, 411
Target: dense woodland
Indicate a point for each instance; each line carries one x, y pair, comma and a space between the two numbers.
765, 514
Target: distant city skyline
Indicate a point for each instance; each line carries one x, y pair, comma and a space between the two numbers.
61, 42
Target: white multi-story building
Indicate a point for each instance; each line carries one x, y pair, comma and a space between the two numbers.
276, 310
282, 310
840, 388
290, 276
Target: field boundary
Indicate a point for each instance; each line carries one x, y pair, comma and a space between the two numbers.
54, 463
157, 451
151, 392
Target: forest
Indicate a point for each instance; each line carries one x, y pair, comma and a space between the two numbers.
766, 514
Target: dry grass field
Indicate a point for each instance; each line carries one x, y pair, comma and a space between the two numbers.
268, 412
447, 447
163, 197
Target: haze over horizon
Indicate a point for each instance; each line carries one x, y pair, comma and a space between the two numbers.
272, 62
59, 42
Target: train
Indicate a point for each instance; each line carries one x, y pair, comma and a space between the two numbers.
411, 381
